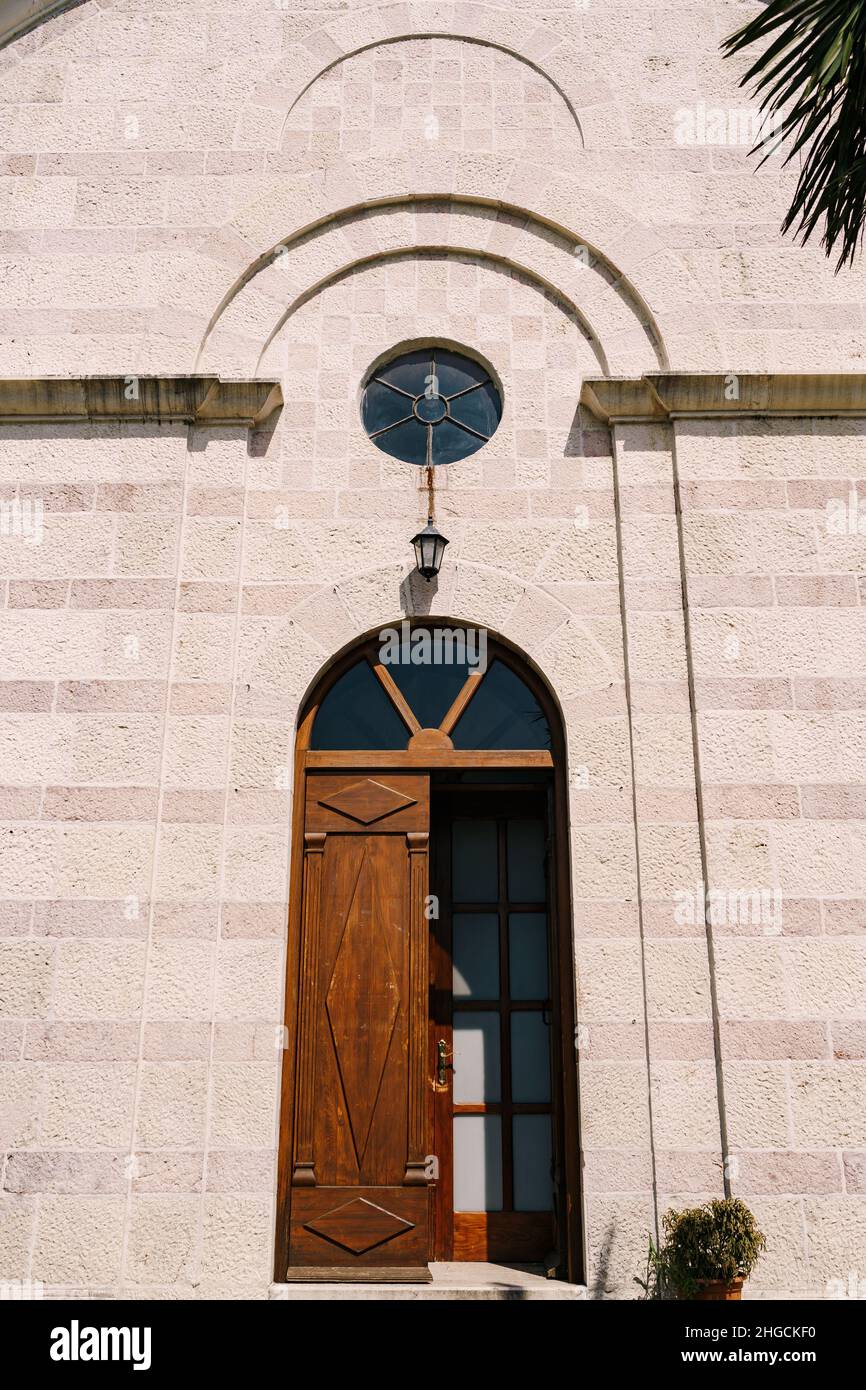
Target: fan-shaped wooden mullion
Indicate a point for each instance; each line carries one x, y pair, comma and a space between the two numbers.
464, 695
404, 709
396, 696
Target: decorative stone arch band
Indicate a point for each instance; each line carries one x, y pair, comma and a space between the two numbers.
614, 316
267, 93
541, 48
657, 278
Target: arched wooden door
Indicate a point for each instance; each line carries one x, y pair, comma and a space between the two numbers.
429, 1094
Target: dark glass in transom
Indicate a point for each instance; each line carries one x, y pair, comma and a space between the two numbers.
496, 711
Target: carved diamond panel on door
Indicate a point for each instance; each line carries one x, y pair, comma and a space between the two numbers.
350, 805
359, 1196
367, 801
374, 1235
359, 1225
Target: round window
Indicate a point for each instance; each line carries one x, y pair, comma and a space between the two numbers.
431, 406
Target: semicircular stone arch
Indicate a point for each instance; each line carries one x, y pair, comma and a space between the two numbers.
620, 326
411, 92
635, 257
283, 656
269, 358
552, 55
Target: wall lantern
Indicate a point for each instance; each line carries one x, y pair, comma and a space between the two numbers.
429, 548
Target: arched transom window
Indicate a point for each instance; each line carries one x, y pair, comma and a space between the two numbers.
445, 687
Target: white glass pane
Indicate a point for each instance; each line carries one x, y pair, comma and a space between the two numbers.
476, 1058
527, 955
530, 1057
477, 1163
473, 861
476, 956
533, 1187
526, 861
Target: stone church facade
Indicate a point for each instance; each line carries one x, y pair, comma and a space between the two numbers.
216, 220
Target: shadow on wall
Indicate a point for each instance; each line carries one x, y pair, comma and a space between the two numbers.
42, 468
601, 1284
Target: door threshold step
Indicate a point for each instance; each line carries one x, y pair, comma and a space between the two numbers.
504, 1283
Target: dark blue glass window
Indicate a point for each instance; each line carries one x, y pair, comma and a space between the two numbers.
430, 690
356, 713
431, 406
503, 713
358, 710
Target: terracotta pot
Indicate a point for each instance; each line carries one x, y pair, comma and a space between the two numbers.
719, 1291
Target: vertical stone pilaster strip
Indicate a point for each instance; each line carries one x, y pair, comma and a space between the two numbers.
419, 986
727, 1166
678, 982
303, 1172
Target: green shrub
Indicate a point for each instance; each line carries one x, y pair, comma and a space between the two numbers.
717, 1241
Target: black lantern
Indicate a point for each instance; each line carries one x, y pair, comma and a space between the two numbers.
429, 548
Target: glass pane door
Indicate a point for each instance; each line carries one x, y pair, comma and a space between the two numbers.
495, 927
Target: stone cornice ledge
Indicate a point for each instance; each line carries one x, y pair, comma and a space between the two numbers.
662, 396
192, 400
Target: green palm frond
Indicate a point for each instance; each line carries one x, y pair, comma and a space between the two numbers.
810, 80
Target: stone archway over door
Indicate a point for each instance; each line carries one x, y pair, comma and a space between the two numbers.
418, 1012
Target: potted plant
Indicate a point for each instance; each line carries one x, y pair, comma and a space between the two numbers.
708, 1252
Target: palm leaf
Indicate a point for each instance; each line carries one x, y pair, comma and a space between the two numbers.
810, 79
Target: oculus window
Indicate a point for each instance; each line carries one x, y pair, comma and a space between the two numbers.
431, 406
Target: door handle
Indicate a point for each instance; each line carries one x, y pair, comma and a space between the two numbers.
442, 1064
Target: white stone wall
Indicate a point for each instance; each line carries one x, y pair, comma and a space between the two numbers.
256, 188
779, 643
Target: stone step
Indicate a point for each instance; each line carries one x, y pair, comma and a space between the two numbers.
503, 1283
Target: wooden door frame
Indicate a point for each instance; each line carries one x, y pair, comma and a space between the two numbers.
426, 757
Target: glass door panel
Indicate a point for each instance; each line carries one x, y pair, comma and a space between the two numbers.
531, 1148
526, 881
356, 713
527, 955
530, 1057
504, 714
474, 862
476, 1058
476, 955
477, 1163
494, 1064
430, 689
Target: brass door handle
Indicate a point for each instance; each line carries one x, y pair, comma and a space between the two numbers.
442, 1065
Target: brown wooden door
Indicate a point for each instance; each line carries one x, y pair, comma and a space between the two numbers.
493, 1030
359, 1186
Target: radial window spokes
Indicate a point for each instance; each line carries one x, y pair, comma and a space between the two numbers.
430, 690
431, 406
383, 704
